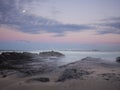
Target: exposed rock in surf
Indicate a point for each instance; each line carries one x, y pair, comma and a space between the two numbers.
9, 60
24, 63
51, 53
15, 56
90, 59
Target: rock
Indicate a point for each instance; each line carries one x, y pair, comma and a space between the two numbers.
41, 79
90, 59
110, 76
4, 76
1, 59
72, 74
24, 63
15, 55
15, 60
86, 58
118, 59
51, 53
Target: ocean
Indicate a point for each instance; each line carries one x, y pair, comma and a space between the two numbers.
72, 56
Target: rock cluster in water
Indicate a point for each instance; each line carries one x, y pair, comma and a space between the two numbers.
19, 61
7, 56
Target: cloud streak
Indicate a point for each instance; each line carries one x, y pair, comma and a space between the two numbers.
11, 15
107, 26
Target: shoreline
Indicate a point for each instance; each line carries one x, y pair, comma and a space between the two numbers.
86, 74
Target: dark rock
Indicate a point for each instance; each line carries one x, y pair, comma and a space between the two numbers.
90, 59
1, 59
11, 58
23, 63
15, 60
110, 76
72, 74
4, 76
118, 59
15, 56
51, 53
42, 79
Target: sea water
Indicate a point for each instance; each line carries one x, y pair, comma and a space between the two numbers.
72, 56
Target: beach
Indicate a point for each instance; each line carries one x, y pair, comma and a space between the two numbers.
85, 74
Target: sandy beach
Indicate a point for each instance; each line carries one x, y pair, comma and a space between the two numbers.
86, 74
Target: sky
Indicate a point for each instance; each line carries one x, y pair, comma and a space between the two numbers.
59, 24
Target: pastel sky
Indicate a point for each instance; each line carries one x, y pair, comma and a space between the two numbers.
60, 24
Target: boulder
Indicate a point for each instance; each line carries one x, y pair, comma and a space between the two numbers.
4, 76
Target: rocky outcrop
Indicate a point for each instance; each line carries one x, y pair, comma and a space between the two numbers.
118, 59
51, 53
90, 59
15, 55
26, 63
110, 76
14, 60
72, 74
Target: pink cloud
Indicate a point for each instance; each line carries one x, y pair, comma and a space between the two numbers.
9, 34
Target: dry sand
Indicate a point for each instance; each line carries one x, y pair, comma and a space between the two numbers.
104, 76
